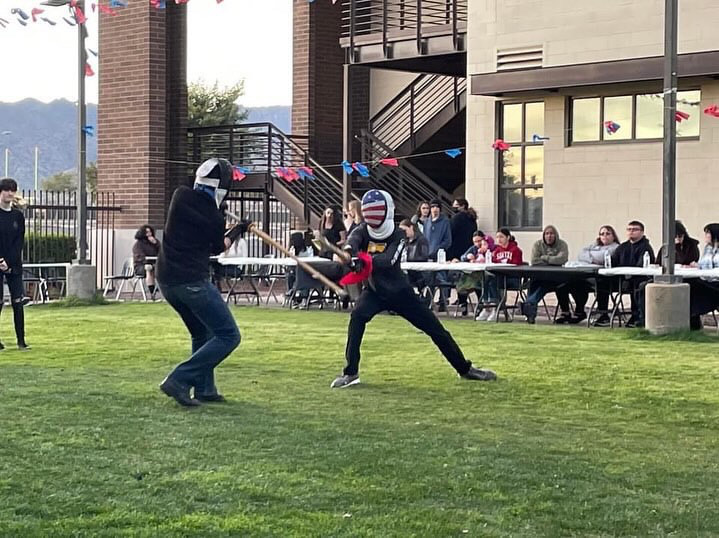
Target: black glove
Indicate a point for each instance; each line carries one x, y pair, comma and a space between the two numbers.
239, 229
356, 265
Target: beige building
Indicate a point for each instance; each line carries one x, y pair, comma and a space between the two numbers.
560, 69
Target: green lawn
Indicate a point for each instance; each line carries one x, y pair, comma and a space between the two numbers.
586, 433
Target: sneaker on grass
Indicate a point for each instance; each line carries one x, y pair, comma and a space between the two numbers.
344, 381
478, 374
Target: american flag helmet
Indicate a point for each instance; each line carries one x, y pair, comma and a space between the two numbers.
377, 208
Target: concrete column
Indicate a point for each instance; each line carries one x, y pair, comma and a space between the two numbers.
81, 281
667, 308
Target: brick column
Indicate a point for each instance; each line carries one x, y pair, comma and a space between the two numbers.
142, 112
317, 78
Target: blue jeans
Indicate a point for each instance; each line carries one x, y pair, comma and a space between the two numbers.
212, 328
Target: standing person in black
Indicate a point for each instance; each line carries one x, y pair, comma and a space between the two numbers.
12, 238
195, 230
388, 289
462, 225
631, 254
332, 229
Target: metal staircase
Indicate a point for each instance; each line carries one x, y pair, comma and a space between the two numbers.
262, 148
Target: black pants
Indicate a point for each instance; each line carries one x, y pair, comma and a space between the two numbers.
580, 289
406, 304
17, 294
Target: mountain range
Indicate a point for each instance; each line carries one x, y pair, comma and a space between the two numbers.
51, 127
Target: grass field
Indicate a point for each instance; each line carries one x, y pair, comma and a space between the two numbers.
586, 433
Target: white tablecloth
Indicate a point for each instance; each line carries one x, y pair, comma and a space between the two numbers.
684, 272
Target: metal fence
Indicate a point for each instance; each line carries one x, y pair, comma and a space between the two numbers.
249, 205
51, 228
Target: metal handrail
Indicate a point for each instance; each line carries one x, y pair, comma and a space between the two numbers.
411, 109
262, 148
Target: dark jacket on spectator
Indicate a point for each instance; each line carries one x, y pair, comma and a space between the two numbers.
474, 251
462, 227
512, 253
438, 235
141, 250
417, 249
630, 254
686, 252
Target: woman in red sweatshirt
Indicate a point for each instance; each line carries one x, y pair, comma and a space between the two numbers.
508, 252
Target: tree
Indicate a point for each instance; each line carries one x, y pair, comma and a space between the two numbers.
67, 181
212, 105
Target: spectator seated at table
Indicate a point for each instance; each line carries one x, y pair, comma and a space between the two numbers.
704, 293
146, 245
592, 254
439, 236
631, 254
417, 250
686, 249
479, 252
550, 250
506, 251
302, 246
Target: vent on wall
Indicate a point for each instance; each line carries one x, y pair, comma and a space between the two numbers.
520, 58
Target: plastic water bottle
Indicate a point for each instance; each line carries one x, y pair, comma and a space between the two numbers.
607, 260
441, 256
647, 259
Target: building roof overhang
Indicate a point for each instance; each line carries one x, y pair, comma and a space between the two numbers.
498, 84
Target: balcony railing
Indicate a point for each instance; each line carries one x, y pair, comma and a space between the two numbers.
388, 19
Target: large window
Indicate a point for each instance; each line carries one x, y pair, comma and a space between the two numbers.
521, 168
634, 117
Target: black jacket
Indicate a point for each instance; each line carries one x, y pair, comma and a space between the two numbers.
630, 254
463, 227
195, 230
686, 252
417, 249
12, 237
387, 278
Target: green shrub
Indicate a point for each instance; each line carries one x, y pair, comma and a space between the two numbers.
42, 248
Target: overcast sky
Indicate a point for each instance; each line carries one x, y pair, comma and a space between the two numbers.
224, 44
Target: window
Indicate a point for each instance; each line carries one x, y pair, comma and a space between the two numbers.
521, 168
635, 117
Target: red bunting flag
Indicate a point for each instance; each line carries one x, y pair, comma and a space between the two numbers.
712, 110
500, 145
79, 15
390, 162
106, 9
35, 12
88, 70
680, 116
237, 175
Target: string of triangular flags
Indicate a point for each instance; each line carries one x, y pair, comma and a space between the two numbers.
78, 15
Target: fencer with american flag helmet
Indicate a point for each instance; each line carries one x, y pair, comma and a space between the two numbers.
378, 213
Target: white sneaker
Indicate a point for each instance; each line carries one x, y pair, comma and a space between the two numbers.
482, 316
493, 315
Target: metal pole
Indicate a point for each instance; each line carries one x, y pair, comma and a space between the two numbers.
81, 145
37, 158
347, 134
670, 137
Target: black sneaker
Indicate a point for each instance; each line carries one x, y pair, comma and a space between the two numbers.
22, 346
464, 310
578, 318
631, 323
181, 393
602, 321
564, 319
477, 374
2, 347
212, 398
